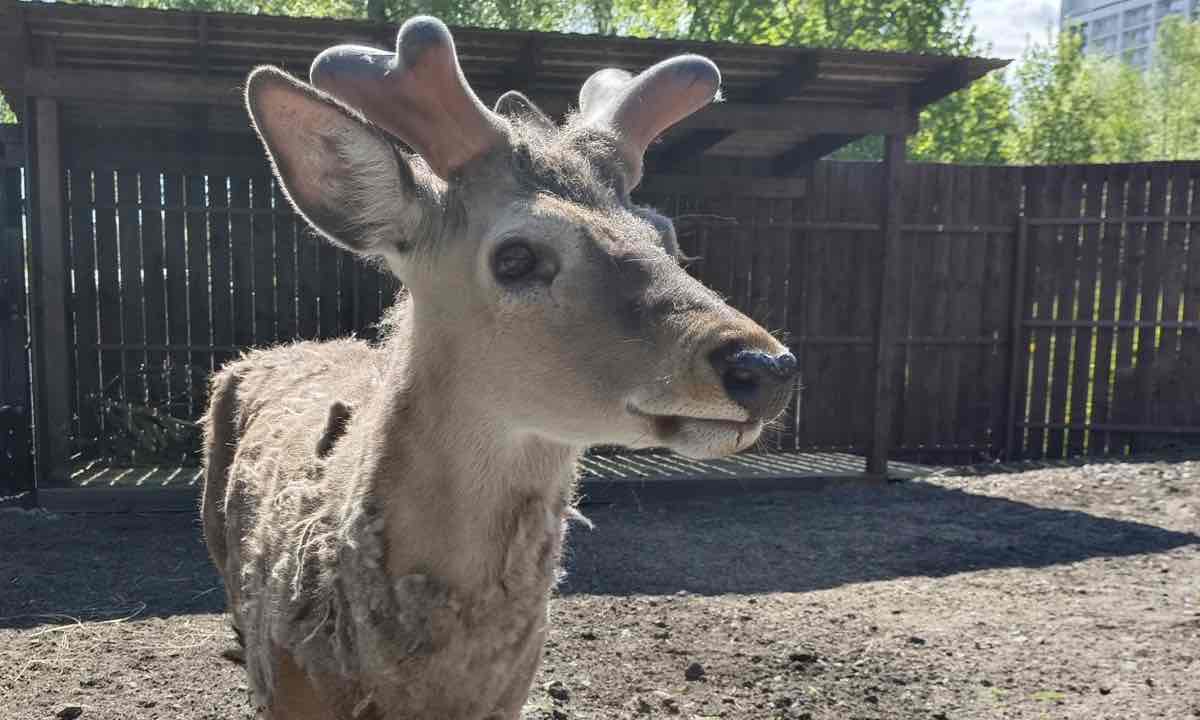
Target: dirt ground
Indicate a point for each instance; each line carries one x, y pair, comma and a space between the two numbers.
1055, 593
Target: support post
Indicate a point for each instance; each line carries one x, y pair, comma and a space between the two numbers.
888, 317
50, 280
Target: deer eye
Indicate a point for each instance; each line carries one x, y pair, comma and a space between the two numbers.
513, 261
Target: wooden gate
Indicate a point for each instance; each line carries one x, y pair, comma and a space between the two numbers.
1109, 357
16, 438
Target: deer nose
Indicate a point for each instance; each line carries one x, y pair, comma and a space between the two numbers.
756, 380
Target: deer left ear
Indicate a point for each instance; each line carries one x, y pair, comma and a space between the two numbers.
341, 173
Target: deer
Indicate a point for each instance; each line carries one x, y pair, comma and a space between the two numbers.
388, 517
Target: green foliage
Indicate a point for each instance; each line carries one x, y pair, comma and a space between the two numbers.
1057, 104
1174, 92
6, 113
1076, 109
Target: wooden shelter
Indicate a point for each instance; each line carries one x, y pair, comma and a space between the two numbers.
155, 97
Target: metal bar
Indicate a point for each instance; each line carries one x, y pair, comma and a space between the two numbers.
1016, 334
1116, 427
864, 226
917, 340
120, 347
1116, 220
192, 208
1113, 324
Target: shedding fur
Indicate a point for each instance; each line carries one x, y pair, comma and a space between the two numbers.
388, 518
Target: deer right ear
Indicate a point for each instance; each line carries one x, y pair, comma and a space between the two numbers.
342, 174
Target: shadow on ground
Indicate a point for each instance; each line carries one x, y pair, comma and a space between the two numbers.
94, 567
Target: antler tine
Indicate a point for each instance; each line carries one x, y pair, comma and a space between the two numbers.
640, 108
418, 94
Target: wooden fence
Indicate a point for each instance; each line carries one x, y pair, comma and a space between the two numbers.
1094, 271
16, 426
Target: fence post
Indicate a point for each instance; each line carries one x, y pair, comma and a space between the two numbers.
1017, 347
887, 318
48, 294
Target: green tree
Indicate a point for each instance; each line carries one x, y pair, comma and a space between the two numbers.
1174, 92
6, 113
1056, 100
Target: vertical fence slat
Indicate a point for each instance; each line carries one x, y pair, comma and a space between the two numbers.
1044, 202
1125, 401
1081, 371
1001, 207
109, 295
133, 328
1109, 279
199, 321
1189, 341
84, 305
16, 412
327, 258
285, 264
241, 253
1175, 368
175, 247
309, 282
1066, 266
220, 254
1149, 297
154, 290
263, 271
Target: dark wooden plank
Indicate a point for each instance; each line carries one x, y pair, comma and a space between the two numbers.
175, 249
84, 306
1174, 368
936, 360
1082, 372
863, 200
327, 266
1045, 201
133, 324
922, 191
220, 253
308, 281
112, 371
1149, 298
1109, 275
285, 265
1003, 199
348, 309
199, 307
966, 262
779, 269
815, 411
1189, 342
154, 288
16, 417
263, 271
242, 260
1126, 404
1066, 268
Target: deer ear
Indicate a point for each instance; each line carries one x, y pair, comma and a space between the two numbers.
341, 173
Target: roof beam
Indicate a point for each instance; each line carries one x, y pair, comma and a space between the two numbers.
790, 80
953, 77
148, 87
810, 151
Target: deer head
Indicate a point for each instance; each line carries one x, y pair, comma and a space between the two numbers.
538, 289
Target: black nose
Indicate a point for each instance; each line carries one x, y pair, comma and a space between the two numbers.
758, 381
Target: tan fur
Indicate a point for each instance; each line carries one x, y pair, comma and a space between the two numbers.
388, 519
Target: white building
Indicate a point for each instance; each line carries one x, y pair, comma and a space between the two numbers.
1127, 28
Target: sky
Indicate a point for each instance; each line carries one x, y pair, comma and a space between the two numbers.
1009, 24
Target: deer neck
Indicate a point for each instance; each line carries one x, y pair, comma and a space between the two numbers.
467, 497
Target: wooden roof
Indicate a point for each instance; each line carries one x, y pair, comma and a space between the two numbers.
139, 66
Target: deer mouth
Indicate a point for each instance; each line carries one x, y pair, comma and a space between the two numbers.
722, 436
